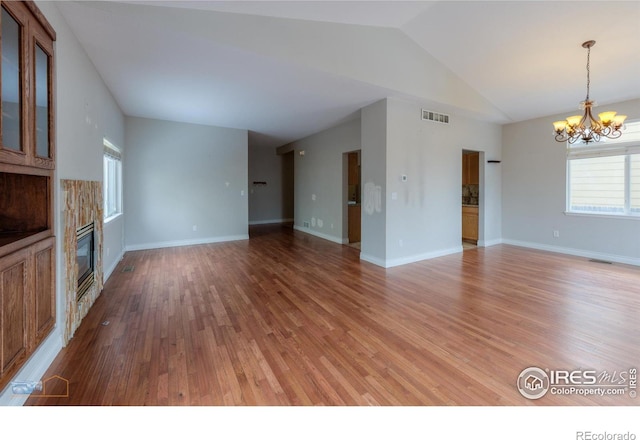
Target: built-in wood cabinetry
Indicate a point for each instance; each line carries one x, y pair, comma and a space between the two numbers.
470, 223
471, 169
27, 163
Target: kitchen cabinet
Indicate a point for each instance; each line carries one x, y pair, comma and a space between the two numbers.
353, 169
471, 169
354, 223
470, 224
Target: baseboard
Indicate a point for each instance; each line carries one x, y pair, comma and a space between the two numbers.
410, 259
35, 368
373, 260
575, 252
320, 235
270, 222
165, 244
487, 243
420, 257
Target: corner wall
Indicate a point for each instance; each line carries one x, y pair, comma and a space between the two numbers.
534, 197
319, 175
185, 184
269, 202
421, 217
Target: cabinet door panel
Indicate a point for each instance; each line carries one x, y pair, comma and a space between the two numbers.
44, 269
13, 300
474, 169
43, 135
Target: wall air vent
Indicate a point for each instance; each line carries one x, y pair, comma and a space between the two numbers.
434, 117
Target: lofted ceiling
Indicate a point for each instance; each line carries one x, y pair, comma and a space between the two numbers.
287, 69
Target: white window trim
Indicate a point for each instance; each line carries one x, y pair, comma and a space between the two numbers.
615, 148
115, 152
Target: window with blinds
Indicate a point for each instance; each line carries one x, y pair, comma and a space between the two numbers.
605, 178
112, 180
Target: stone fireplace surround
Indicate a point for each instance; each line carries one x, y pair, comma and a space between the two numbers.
82, 202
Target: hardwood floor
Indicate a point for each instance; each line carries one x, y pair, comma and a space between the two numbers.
289, 319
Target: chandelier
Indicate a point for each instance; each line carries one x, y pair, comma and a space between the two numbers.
585, 127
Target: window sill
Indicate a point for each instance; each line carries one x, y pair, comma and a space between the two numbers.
112, 218
591, 214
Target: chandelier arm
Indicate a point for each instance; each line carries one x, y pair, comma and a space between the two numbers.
593, 123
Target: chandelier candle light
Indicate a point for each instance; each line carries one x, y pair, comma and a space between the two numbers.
586, 127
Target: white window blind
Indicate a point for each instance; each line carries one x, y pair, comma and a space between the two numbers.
605, 178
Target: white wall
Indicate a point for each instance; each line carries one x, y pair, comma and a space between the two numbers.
373, 167
85, 113
180, 175
534, 197
319, 175
423, 214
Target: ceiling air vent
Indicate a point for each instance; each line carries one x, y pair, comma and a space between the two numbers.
434, 117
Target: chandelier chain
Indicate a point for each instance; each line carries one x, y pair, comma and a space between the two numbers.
588, 71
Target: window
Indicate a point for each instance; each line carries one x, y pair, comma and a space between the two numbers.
605, 178
112, 180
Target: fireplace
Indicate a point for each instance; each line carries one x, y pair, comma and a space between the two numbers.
85, 258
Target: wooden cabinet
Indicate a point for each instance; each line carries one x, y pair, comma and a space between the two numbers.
471, 169
27, 87
14, 294
354, 223
353, 169
470, 223
44, 301
27, 163
28, 305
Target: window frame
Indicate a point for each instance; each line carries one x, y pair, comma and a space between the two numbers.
112, 155
617, 148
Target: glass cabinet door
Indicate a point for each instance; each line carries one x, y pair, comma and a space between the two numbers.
42, 103
11, 83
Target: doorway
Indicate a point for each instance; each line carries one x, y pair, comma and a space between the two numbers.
353, 190
288, 188
470, 198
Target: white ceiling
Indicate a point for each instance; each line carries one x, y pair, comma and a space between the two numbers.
287, 69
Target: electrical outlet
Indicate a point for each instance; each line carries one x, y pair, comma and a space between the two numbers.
556, 234
195, 228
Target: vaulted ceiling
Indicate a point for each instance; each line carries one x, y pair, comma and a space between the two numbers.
287, 69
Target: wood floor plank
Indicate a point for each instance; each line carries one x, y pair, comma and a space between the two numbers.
289, 319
